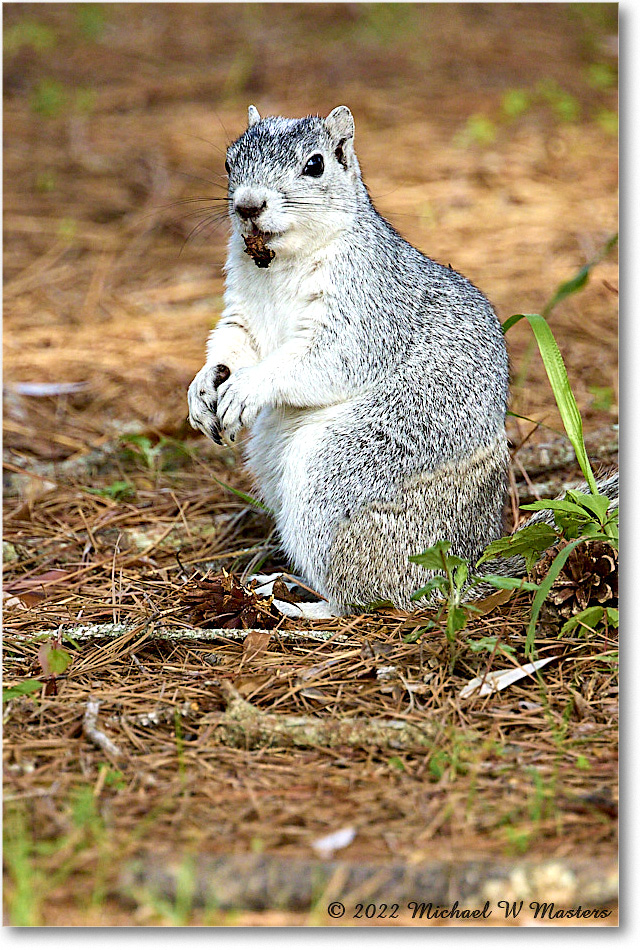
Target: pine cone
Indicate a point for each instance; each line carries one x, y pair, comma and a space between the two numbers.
222, 601
589, 578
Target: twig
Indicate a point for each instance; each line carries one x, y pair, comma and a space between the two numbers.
95, 735
244, 726
105, 631
557, 453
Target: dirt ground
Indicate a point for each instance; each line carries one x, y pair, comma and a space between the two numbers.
488, 136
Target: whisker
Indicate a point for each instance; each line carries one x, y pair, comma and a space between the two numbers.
212, 222
192, 214
227, 134
207, 181
207, 141
185, 201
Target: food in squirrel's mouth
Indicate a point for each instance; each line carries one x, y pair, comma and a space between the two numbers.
256, 247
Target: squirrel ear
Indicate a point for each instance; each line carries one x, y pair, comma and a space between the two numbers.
252, 116
340, 123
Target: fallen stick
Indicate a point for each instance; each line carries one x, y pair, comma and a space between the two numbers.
107, 631
94, 734
558, 452
243, 726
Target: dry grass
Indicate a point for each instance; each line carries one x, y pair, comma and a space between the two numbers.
99, 290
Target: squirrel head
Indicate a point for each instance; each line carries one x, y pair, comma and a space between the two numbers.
293, 183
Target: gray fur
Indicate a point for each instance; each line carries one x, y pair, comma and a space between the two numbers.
411, 357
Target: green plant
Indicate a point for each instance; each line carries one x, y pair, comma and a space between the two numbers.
563, 104
451, 583
578, 516
29, 34
177, 911
492, 645
155, 456
23, 886
49, 98
601, 76
515, 102
607, 119
591, 619
25, 688
603, 397
479, 129
118, 491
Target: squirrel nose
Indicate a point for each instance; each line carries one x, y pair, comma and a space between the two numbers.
249, 209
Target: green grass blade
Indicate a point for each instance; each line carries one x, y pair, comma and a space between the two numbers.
248, 499
545, 587
576, 283
558, 378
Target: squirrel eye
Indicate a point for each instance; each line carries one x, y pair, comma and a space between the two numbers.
227, 166
314, 166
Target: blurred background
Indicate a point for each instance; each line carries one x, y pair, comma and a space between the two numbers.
487, 134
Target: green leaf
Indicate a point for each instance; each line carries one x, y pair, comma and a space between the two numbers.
608, 121
30, 34
439, 582
528, 542
603, 397
461, 574
556, 372
117, 490
597, 504
479, 129
601, 75
515, 102
431, 558
436, 558
49, 98
576, 283
507, 583
579, 513
375, 605
21, 689
568, 287
455, 621
53, 660
589, 617
415, 635
533, 422
490, 644
554, 504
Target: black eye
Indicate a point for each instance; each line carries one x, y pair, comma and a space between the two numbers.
314, 166
227, 166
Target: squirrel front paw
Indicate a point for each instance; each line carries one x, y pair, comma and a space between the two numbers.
202, 398
240, 399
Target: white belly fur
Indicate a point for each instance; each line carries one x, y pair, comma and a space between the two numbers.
281, 453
